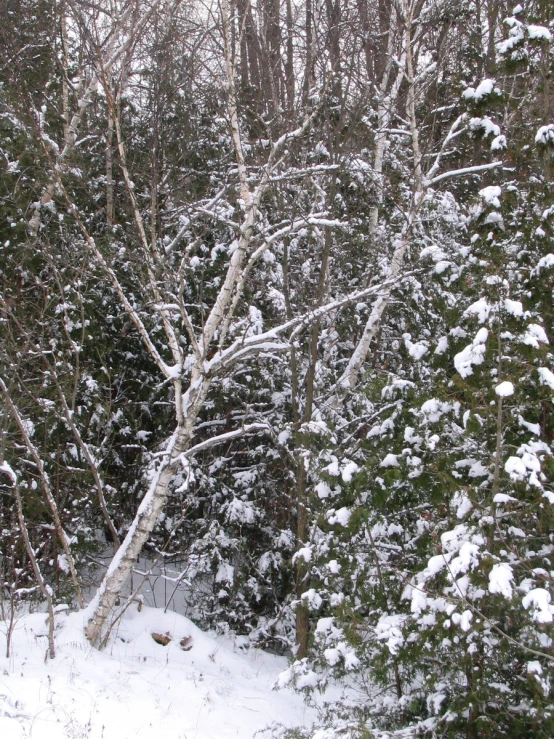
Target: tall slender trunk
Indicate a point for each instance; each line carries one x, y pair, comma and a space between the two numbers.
289, 61
400, 245
493, 8
44, 588
308, 71
154, 207
110, 203
65, 83
275, 92
302, 495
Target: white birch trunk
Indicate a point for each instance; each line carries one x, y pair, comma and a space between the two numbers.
350, 376
102, 606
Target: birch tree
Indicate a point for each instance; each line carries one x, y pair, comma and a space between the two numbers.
191, 374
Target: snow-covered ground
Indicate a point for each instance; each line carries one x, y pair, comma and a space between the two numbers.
137, 688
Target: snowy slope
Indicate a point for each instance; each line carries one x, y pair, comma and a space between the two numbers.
137, 688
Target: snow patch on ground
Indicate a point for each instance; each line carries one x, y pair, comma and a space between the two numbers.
137, 688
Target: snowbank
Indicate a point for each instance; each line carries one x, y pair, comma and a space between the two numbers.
137, 688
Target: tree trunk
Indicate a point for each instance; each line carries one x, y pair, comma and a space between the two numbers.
152, 505
289, 61
110, 207
302, 496
308, 72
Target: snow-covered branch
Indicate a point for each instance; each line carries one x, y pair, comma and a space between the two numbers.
228, 436
465, 170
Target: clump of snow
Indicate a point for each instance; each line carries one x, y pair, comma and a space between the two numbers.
478, 469
312, 598
462, 504
137, 687
434, 251
463, 620
334, 567
322, 490
545, 135
410, 436
481, 308
342, 516
240, 511
415, 350
299, 673
419, 601
333, 468
435, 565
535, 335
472, 354
63, 564
225, 573
500, 580
324, 625
349, 470
433, 409
304, 553
515, 468
546, 377
499, 143
504, 497
256, 323
397, 384
467, 559
538, 601
284, 436
539, 32
381, 429
513, 307
494, 219
453, 540
484, 88
505, 389
389, 629
442, 345
391, 460
534, 667
491, 195
484, 126
515, 37
5, 467
534, 428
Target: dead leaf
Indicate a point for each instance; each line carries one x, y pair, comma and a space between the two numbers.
186, 643
162, 639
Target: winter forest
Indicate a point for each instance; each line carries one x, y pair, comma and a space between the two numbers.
276, 332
